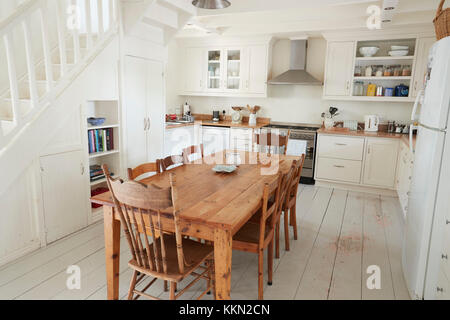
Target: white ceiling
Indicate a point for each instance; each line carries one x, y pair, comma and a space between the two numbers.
284, 18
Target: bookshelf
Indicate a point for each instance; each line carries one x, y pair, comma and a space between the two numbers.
102, 151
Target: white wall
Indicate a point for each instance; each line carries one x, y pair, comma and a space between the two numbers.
300, 104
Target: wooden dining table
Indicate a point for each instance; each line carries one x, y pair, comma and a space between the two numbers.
213, 206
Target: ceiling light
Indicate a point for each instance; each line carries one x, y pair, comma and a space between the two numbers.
211, 4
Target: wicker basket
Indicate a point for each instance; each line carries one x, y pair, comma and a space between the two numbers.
442, 22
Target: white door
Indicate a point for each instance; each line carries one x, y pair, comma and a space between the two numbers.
421, 203
156, 110
423, 50
64, 191
194, 77
256, 62
339, 68
381, 162
135, 104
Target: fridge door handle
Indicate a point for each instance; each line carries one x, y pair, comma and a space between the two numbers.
416, 104
411, 146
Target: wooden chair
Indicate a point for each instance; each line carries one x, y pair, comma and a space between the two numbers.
149, 215
257, 236
166, 163
270, 141
284, 189
290, 204
143, 169
192, 150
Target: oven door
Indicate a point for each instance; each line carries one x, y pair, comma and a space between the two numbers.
303, 143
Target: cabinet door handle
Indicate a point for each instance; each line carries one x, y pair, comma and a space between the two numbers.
444, 256
336, 166
415, 86
82, 169
439, 289
348, 86
340, 144
145, 124
149, 124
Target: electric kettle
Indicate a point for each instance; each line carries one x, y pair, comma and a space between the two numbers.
371, 123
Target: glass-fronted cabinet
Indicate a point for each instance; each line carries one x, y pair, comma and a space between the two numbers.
233, 64
214, 69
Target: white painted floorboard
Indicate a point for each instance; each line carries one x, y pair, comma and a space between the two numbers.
341, 233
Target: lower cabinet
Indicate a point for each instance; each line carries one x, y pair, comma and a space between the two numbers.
362, 161
65, 198
215, 139
176, 139
381, 162
241, 139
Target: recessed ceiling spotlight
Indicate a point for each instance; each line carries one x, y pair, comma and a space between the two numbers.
211, 4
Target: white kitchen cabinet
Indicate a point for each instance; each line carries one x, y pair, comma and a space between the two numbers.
215, 139
348, 148
194, 74
255, 78
422, 52
380, 162
226, 70
241, 139
144, 105
339, 68
339, 170
177, 139
404, 176
64, 193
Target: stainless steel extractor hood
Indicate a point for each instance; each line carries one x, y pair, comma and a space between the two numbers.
297, 73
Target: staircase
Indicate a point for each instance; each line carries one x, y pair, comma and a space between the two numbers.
72, 33
46, 76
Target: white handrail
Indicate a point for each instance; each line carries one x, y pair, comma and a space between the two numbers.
14, 19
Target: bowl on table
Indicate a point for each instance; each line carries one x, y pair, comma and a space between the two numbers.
396, 48
368, 51
224, 168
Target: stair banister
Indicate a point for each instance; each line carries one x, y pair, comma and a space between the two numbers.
60, 26
30, 63
101, 28
13, 83
44, 17
88, 24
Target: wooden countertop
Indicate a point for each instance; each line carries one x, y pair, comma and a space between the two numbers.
360, 133
225, 123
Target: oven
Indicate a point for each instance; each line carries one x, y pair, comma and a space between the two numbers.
302, 140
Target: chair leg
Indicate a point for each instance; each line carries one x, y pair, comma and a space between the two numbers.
270, 263
165, 286
132, 285
286, 230
260, 274
294, 221
172, 290
277, 241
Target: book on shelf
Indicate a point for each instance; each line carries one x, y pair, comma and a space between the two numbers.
101, 140
96, 172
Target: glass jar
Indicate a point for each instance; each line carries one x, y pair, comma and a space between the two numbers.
358, 88
368, 71
387, 71
379, 71
406, 71
397, 71
357, 71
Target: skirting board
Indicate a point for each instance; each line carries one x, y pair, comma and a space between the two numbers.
32, 246
351, 187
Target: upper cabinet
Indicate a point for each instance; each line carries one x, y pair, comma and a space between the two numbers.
392, 72
338, 74
226, 70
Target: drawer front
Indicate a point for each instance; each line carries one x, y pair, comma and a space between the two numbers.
242, 134
340, 147
339, 170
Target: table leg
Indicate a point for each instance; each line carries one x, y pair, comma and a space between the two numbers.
112, 252
222, 263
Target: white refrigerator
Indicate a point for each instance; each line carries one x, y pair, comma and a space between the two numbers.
429, 196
